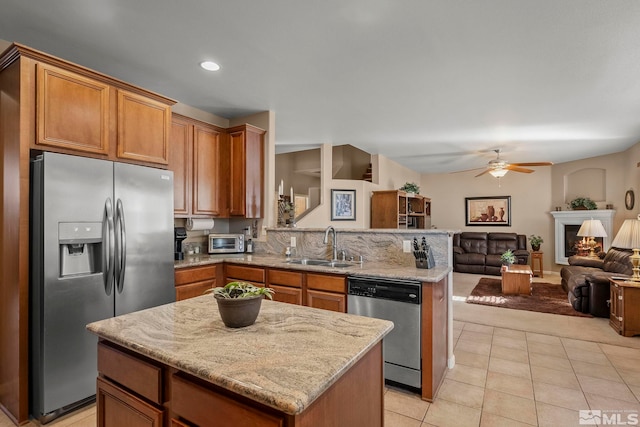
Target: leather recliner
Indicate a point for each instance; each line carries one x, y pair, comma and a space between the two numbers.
479, 252
586, 279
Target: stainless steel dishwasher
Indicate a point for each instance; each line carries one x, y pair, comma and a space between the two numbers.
399, 301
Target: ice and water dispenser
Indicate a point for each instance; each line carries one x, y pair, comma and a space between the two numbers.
80, 245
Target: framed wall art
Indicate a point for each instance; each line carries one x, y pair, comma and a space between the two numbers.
488, 211
343, 205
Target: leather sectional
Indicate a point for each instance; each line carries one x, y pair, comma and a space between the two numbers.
479, 252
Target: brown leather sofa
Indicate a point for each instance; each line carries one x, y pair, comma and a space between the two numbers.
586, 280
479, 252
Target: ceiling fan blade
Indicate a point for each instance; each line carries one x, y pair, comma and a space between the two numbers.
482, 173
468, 170
533, 164
514, 168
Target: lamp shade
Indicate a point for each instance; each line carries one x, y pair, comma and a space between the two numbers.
629, 235
592, 228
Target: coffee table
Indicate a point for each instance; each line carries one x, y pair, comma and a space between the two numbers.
517, 279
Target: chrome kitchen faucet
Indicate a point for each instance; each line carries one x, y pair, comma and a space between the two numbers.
334, 251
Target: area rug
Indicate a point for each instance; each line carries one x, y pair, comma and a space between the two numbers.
544, 298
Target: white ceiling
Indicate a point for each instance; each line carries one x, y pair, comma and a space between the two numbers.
433, 84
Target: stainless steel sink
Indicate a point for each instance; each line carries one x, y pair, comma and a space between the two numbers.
337, 264
305, 261
320, 262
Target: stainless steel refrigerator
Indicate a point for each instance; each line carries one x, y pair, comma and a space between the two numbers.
102, 245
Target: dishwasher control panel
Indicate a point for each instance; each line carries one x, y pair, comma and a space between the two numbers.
396, 290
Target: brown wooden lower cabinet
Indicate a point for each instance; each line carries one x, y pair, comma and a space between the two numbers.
327, 300
193, 281
355, 399
326, 291
287, 284
203, 406
235, 272
117, 408
287, 294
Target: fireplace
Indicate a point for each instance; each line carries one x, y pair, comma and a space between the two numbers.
567, 224
576, 245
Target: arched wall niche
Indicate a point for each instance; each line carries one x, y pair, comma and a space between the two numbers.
587, 182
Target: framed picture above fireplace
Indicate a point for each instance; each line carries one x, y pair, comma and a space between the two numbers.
488, 211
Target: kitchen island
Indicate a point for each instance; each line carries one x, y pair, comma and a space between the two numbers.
178, 364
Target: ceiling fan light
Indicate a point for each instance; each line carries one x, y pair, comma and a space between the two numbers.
498, 173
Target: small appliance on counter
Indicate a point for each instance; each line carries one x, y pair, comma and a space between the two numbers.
226, 243
179, 234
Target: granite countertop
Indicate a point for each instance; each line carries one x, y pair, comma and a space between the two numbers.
288, 358
376, 269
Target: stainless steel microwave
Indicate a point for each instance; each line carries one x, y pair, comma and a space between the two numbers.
226, 243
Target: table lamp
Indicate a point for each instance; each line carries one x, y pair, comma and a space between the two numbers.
592, 228
629, 238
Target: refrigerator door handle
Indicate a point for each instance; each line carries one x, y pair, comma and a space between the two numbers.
122, 246
108, 246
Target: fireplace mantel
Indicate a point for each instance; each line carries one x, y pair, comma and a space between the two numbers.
576, 217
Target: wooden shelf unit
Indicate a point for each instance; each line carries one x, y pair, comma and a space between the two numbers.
397, 209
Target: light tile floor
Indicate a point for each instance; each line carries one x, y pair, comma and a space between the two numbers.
509, 377
505, 377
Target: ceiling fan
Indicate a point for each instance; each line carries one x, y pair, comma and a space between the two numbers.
499, 167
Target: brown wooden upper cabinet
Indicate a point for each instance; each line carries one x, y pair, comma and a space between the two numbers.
143, 128
63, 98
196, 159
246, 144
79, 110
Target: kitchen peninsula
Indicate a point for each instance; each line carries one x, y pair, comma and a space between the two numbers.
296, 366
327, 287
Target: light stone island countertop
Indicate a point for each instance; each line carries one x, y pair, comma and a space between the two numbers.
288, 358
393, 271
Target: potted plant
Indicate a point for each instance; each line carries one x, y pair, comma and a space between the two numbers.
411, 188
239, 302
583, 203
507, 259
535, 242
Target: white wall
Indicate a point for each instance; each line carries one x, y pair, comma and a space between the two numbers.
390, 174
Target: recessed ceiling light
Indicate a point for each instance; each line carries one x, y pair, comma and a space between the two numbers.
210, 66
